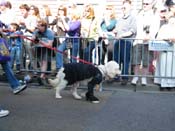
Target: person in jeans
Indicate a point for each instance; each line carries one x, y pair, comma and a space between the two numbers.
3, 112
89, 33
14, 83
125, 31
72, 29
107, 25
15, 45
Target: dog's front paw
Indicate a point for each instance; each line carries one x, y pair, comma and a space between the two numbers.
58, 96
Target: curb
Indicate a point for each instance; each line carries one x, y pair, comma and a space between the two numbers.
106, 86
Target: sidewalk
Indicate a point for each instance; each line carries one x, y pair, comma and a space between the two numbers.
151, 87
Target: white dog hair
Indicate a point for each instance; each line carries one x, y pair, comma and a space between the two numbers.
108, 71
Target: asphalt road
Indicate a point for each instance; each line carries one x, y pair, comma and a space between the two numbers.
36, 109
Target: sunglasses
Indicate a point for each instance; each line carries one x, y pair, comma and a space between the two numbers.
162, 11
60, 9
146, 4
108, 8
123, 8
41, 25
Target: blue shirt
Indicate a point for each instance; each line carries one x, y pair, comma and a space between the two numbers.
15, 41
44, 36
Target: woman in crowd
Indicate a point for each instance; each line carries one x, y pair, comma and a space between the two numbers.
72, 29
45, 13
89, 32
107, 26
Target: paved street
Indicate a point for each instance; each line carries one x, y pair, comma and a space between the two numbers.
36, 109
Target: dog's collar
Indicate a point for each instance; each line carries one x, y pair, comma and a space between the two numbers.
102, 70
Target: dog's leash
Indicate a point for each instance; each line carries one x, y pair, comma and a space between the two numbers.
55, 49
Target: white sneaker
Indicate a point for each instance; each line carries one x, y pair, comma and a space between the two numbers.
19, 89
144, 81
4, 113
134, 80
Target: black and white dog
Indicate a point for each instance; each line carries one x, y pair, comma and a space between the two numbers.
75, 73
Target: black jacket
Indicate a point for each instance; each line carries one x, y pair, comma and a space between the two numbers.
79, 71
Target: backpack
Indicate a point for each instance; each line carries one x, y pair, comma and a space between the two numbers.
4, 51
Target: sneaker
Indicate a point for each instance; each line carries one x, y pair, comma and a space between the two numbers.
44, 82
3, 113
18, 72
143, 81
40, 81
134, 81
35, 74
124, 82
19, 89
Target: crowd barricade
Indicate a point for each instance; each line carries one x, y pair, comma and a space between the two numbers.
104, 50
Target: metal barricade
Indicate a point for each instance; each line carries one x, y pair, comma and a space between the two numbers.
124, 51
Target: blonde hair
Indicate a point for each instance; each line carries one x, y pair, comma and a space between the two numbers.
47, 10
112, 9
89, 8
36, 11
75, 15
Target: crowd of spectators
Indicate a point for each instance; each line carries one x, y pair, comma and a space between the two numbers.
91, 38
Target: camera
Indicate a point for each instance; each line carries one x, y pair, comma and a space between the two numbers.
36, 39
146, 29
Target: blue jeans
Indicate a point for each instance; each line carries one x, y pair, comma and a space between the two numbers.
15, 56
122, 49
14, 83
62, 47
88, 51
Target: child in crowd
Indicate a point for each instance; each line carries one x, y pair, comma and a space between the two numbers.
15, 45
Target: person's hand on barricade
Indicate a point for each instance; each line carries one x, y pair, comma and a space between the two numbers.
35, 39
5, 30
147, 38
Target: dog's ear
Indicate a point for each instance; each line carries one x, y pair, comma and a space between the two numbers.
111, 64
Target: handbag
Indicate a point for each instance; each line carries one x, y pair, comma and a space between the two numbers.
4, 51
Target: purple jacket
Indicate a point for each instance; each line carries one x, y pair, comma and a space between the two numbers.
74, 28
